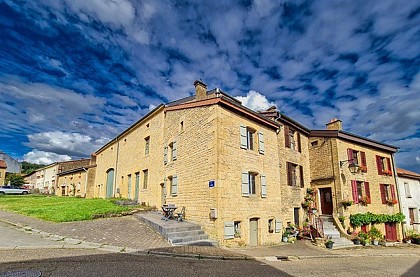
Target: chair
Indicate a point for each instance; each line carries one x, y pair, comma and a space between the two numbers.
181, 215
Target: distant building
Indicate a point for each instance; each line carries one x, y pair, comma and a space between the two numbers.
409, 191
13, 165
3, 168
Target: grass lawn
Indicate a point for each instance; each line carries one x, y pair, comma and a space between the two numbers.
59, 209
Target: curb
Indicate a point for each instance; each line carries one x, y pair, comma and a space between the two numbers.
196, 256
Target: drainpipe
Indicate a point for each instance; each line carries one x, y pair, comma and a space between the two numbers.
335, 177
394, 167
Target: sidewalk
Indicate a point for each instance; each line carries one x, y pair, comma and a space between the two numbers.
128, 234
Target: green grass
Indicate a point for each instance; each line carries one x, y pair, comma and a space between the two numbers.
59, 209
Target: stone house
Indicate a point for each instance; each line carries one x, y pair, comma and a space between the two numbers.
346, 167
409, 191
73, 182
239, 174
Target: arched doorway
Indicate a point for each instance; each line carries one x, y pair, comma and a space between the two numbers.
110, 183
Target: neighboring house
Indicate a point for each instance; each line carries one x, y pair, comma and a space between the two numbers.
347, 167
239, 174
47, 176
31, 179
13, 165
3, 168
73, 182
409, 192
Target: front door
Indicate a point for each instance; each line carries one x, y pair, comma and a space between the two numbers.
390, 231
326, 200
136, 190
253, 232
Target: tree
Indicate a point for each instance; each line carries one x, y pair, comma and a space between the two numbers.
15, 179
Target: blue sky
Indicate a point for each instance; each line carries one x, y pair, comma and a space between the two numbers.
75, 73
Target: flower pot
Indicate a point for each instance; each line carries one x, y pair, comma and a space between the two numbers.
415, 240
285, 239
356, 241
375, 242
329, 244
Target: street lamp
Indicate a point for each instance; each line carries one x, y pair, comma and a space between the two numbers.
352, 166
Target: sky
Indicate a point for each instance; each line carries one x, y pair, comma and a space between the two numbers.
76, 73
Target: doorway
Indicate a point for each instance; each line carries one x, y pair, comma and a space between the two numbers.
253, 232
390, 231
296, 216
326, 201
110, 183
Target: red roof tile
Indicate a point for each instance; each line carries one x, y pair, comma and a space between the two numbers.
406, 173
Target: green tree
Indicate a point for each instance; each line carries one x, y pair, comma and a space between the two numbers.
14, 179
28, 167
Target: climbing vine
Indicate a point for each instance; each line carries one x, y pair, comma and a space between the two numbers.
357, 220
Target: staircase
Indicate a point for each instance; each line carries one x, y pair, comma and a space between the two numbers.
177, 233
331, 231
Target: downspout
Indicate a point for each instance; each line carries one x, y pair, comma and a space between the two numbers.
335, 178
397, 187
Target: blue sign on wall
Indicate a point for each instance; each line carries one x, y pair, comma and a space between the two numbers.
212, 183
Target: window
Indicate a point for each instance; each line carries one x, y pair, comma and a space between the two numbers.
172, 150
182, 126
314, 143
237, 229
388, 195
407, 190
295, 177
250, 183
173, 182
129, 186
411, 213
384, 165
145, 177
78, 186
250, 140
271, 225
361, 192
292, 139
357, 158
146, 145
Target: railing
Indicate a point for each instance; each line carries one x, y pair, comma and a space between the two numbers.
317, 224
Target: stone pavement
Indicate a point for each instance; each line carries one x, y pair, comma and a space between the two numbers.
119, 234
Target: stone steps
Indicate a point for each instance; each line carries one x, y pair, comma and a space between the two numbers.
177, 233
330, 231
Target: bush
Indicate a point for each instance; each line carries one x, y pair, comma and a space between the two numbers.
357, 220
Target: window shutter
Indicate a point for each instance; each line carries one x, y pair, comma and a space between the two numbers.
286, 136
289, 174
278, 226
382, 188
165, 155
354, 191
261, 143
363, 158
367, 192
174, 189
263, 186
174, 151
229, 230
379, 164
299, 145
302, 179
394, 197
164, 186
350, 155
243, 137
388, 161
245, 184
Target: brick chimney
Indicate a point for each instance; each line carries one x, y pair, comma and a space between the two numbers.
200, 90
334, 124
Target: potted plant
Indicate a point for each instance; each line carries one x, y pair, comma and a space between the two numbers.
286, 235
363, 168
356, 239
391, 202
342, 219
346, 203
364, 238
415, 238
329, 243
310, 191
375, 235
364, 201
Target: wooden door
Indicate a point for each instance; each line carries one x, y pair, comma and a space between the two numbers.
326, 201
390, 231
253, 232
110, 183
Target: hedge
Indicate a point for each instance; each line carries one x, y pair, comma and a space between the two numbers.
357, 220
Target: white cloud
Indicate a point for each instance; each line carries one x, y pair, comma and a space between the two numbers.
42, 157
71, 144
255, 101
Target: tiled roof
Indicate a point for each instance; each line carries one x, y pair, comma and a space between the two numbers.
3, 164
406, 173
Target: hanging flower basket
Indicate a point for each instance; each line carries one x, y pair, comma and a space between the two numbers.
392, 202
346, 203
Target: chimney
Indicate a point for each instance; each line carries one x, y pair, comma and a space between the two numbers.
334, 124
200, 90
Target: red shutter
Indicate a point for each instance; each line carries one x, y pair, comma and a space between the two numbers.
302, 181
382, 188
286, 136
354, 191
289, 174
394, 197
350, 155
367, 191
388, 161
379, 164
299, 145
363, 158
